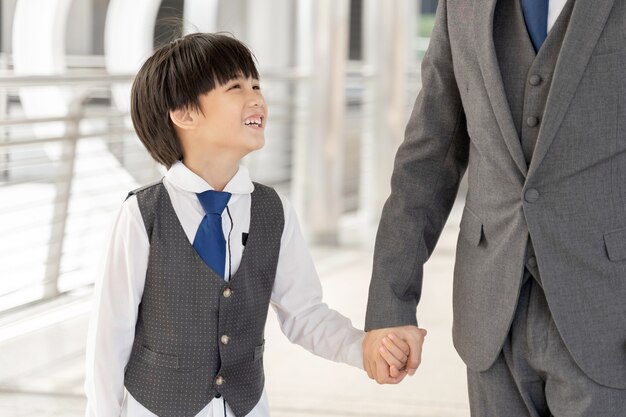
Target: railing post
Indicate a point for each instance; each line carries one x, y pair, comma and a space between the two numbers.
62, 200
4, 112
319, 151
386, 38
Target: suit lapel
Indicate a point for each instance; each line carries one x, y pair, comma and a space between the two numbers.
583, 31
488, 61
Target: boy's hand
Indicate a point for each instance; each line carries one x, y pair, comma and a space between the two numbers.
395, 352
377, 367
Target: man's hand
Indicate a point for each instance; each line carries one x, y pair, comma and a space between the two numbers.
381, 358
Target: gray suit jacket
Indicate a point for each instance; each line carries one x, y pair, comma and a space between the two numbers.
571, 199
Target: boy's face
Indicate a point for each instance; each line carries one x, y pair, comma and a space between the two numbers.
233, 117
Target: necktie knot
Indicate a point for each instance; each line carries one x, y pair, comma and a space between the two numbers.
214, 202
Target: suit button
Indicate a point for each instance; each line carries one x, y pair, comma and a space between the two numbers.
532, 262
531, 195
534, 80
227, 292
224, 339
532, 121
219, 380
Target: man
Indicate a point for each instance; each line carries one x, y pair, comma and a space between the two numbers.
531, 99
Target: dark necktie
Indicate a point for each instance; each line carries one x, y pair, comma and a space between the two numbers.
209, 241
536, 17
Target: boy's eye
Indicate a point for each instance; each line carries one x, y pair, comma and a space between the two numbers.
234, 86
256, 87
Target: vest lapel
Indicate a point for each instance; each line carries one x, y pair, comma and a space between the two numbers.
584, 29
488, 61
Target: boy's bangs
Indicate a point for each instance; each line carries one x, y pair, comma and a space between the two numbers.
229, 60
224, 72
201, 62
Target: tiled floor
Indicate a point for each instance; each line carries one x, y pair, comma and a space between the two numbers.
41, 372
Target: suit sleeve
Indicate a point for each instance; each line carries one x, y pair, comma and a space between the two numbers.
428, 168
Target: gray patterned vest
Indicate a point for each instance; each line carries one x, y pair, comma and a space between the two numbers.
198, 336
527, 77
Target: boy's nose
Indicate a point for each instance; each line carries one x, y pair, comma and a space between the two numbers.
256, 102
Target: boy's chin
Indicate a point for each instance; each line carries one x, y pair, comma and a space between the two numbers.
252, 146
257, 143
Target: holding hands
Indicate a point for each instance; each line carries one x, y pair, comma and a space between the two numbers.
390, 354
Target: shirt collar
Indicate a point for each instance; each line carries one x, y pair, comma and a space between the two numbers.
182, 177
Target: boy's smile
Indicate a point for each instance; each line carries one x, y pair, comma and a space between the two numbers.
255, 121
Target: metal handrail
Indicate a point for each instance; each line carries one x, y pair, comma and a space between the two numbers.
113, 114
62, 138
88, 83
78, 78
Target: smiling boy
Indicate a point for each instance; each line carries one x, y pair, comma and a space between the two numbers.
196, 259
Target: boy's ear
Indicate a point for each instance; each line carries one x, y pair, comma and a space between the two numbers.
184, 118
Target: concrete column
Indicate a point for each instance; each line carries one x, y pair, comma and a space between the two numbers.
200, 15
79, 31
387, 33
269, 33
322, 48
7, 10
38, 45
232, 16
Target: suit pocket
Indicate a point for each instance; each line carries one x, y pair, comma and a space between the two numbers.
471, 227
258, 351
615, 242
158, 359
607, 62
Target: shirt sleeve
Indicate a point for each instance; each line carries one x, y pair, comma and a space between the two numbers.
117, 294
297, 300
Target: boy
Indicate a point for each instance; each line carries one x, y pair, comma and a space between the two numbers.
196, 259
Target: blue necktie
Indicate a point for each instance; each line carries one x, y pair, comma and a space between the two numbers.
536, 17
209, 241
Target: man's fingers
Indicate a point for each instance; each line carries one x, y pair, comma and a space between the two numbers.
401, 344
394, 348
415, 356
394, 372
390, 358
396, 375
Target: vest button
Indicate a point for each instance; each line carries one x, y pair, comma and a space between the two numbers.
227, 292
219, 380
532, 121
224, 339
531, 195
534, 80
532, 262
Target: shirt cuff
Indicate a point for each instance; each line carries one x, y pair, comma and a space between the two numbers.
355, 350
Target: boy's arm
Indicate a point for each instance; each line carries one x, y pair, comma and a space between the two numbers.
118, 290
297, 300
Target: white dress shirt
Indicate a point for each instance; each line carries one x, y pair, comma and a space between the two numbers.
554, 10
296, 295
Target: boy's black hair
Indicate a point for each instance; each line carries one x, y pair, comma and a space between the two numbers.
175, 77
